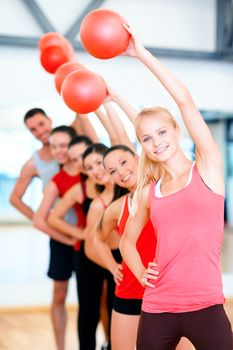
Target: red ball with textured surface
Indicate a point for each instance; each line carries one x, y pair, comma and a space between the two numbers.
83, 91
103, 35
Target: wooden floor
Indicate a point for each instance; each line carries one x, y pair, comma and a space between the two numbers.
33, 331
22, 329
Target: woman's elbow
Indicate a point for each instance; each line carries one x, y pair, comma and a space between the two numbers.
50, 220
37, 222
185, 99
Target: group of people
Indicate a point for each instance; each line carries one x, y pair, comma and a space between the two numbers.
142, 233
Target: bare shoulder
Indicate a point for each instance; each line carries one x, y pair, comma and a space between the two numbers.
97, 204
117, 205
29, 168
76, 189
145, 195
113, 211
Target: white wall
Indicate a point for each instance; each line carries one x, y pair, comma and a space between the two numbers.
186, 24
24, 84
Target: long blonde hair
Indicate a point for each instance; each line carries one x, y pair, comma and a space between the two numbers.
149, 170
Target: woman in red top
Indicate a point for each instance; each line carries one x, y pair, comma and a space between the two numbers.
90, 276
62, 253
121, 163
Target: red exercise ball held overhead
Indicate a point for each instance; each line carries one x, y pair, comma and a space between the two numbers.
63, 71
53, 39
83, 91
103, 35
53, 57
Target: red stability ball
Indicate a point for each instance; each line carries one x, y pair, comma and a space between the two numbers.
62, 72
83, 91
55, 39
53, 57
103, 34
51, 39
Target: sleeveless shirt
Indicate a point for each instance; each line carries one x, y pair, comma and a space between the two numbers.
75, 215
46, 170
189, 227
130, 288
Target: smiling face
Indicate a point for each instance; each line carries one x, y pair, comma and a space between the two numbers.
40, 126
159, 136
122, 166
59, 142
94, 168
75, 153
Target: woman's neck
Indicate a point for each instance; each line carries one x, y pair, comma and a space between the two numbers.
176, 167
70, 169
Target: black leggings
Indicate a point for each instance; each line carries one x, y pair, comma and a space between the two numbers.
207, 329
90, 279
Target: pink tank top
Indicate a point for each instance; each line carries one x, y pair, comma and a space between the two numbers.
189, 235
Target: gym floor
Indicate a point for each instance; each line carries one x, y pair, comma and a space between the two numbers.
25, 290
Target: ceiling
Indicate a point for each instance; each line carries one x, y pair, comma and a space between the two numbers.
187, 28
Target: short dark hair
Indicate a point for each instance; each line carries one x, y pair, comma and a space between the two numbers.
65, 129
29, 114
80, 139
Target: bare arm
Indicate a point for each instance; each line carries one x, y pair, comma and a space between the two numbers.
94, 216
83, 126
27, 173
103, 118
117, 125
104, 253
207, 152
40, 217
123, 103
56, 218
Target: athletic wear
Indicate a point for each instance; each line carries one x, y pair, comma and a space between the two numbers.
62, 262
127, 306
207, 329
130, 288
64, 182
63, 259
46, 170
189, 235
90, 285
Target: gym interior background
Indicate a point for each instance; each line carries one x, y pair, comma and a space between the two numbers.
193, 37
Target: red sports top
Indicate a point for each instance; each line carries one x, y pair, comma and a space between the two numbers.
64, 182
129, 287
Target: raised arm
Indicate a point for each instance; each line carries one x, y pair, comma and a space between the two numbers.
27, 173
130, 111
83, 126
117, 125
207, 152
56, 219
103, 118
40, 217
